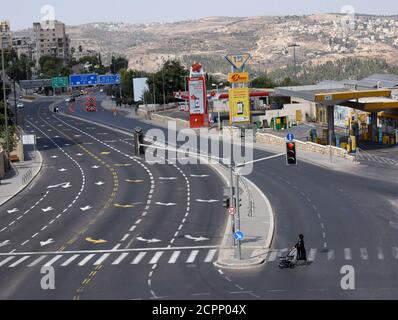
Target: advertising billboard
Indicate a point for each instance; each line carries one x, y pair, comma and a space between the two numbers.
239, 105
197, 96
140, 86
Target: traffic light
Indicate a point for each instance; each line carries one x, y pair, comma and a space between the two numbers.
240, 202
291, 155
226, 202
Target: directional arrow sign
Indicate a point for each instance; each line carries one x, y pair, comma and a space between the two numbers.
196, 239
4, 243
148, 241
199, 175
13, 210
85, 208
166, 204
67, 185
44, 243
165, 178
100, 183
207, 201
47, 209
100, 241
59, 185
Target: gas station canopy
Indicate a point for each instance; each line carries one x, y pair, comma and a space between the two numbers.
330, 94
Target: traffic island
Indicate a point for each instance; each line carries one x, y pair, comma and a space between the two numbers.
257, 228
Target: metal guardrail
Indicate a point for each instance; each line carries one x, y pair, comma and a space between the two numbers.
27, 177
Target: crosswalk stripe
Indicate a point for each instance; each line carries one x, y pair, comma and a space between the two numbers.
49, 263
312, 254
70, 260
120, 258
347, 254
395, 252
138, 258
102, 259
272, 255
2, 263
364, 254
40, 259
156, 257
174, 257
192, 256
380, 254
86, 259
330, 255
19, 261
210, 255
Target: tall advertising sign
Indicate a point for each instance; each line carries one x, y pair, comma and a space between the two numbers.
197, 97
239, 102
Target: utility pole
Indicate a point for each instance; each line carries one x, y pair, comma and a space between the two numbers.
4, 95
164, 92
238, 214
14, 73
154, 90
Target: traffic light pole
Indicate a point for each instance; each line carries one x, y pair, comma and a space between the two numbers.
237, 205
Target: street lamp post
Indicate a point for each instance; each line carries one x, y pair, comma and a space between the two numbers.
294, 46
4, 95
164, 91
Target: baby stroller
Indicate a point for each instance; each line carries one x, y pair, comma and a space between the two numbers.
290, 260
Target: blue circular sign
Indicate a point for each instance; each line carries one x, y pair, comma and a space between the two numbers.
238, 235
290, 137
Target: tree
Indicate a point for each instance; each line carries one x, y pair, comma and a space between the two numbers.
118, 63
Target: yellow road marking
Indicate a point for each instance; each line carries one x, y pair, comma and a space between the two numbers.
100, 241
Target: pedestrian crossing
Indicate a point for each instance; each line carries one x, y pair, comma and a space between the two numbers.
368, 157
110, 258
189, 257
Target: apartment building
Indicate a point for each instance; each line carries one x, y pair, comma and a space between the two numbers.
5, 32
51, 39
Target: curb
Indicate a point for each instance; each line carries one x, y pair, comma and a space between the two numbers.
28, 184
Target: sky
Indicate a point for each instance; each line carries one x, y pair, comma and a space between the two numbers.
22, 13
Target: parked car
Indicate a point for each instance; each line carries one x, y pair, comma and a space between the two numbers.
20, 105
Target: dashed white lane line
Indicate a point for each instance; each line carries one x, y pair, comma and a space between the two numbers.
347, 254
125, 237
132, 228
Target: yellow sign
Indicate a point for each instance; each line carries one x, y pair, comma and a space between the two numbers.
239, 60
299, 116
238, 77
239, 105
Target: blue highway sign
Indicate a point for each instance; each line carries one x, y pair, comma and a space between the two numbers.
290, 137
109, 79
79, 80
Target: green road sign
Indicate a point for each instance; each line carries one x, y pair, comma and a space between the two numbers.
60, 82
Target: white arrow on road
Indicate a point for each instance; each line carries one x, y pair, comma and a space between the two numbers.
54, 157
207, 201
165, 178
148, 241
166, 204
85, 208
13, 210
44, 243
62, 170
95, 167
79, 155
4, 243
199, 175
100, 183
45, 210
63, 184
196, 239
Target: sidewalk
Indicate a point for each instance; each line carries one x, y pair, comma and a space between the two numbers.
20, 176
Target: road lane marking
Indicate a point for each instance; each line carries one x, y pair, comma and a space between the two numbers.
120, 258
174, 257
19, 261
49, 263
330, 255
395, 252
70, 260
364, 254
380, 254
138, 258
86, 259
125, 237
2, 263
156, 257
192, 256
102, 259
210, 255
347, 254
312, 254
40, 259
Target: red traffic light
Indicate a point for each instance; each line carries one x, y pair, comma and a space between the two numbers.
290, 145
